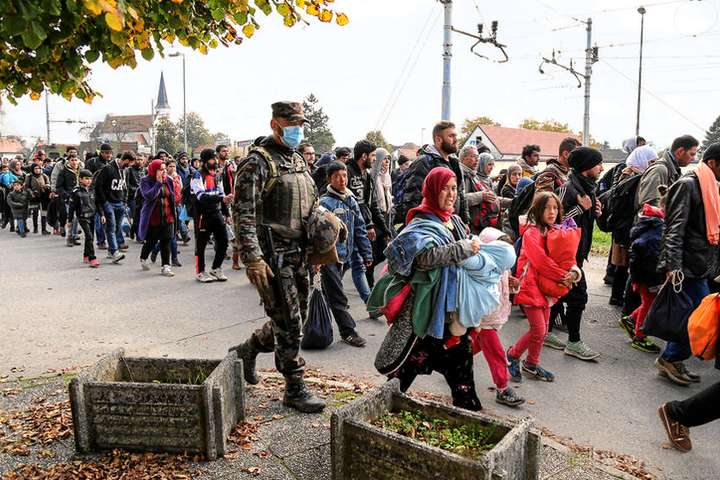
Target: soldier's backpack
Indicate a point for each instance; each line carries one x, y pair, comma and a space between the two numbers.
273, 173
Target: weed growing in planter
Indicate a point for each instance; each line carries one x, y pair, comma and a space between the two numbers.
469, 440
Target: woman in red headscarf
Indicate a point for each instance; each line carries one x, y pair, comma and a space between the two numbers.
157, 215
425, 255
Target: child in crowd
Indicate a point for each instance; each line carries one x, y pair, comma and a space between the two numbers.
486, 337
82, 205
17, 199
545, 212
645, 246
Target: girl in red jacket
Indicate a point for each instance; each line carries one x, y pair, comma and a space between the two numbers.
545, 212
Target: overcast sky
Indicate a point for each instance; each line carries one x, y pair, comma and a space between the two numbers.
384, 70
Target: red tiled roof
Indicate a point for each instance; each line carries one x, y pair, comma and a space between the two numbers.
510, 141
10, 145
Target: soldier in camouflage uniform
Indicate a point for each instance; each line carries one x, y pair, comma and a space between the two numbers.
274, 197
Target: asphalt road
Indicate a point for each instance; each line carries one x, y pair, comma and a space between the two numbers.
57, 313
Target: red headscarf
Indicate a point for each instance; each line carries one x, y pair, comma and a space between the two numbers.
432, 186
154, 167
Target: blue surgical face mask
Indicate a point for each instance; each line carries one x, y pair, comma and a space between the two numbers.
293, 136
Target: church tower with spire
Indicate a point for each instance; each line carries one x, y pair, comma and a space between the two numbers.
162, 106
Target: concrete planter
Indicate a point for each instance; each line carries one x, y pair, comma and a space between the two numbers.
157, 404
361, 450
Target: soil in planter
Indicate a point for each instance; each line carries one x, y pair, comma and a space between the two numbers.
469, 440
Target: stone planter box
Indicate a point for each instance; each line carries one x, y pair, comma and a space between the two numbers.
157, 404
361, 450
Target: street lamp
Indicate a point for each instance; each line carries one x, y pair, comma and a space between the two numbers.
641, 11
178, 54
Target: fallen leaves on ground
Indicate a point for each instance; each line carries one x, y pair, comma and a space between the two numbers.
117, 465
625, 463
41, 423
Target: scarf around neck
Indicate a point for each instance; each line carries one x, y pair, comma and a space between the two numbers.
432, 186
341, 196
711, 202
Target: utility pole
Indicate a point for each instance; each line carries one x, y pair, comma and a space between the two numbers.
47, 118
641, 11
447, 57
591, 56
588, 74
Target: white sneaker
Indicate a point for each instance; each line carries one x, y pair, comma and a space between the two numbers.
144, 265
218, 275
117, 256
165, 271
203, 277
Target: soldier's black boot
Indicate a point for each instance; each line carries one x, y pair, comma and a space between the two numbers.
247, 353
298, 396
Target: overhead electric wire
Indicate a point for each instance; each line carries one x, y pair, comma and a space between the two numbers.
653, 95
383, 113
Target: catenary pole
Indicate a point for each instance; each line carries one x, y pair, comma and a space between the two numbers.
447, 58
588, 74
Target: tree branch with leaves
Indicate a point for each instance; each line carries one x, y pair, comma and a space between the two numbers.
50, 44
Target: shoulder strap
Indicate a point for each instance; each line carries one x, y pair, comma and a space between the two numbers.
272, 167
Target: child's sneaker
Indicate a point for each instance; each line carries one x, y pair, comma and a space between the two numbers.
86, 260
94, 263
644, 345
628, 325
144, 265
537, 372
514, 368
508, 397
166, 271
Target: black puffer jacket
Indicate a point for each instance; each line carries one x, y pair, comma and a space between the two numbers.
585, 219
363, 188
685, 244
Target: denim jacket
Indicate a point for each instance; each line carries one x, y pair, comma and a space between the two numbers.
348, 211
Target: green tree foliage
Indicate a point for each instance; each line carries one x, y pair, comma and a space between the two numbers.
546, 126
50, 44
167, 136
377, 137
197, 133
712, 135
470, 124
317, 131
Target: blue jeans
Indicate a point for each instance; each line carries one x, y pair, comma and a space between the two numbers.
99, 230
20, 227
696, 289
358, 275
114, 213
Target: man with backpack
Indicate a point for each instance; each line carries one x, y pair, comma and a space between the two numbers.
557, 170
665, 171
440, 154
210, 208
581, 205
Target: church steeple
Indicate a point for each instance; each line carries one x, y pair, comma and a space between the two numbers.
162, 107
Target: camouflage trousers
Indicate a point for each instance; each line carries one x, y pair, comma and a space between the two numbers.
286, 303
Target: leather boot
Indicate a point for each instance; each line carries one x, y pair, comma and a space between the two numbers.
236, 262
298, 396
247, 352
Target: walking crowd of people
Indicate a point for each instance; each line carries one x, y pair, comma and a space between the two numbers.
455, 246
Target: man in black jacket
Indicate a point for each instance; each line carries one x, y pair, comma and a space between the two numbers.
440, 154
580, 203
94, 165
363, 187
687, 247
110, 189
211, 210
703, 407
66, 181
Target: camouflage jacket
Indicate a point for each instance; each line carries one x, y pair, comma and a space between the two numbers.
273, 200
